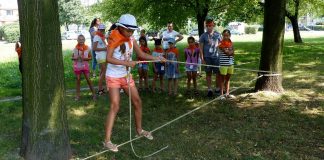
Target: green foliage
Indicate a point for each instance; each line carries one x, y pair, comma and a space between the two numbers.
250, 30
1, 32
317, 27
72, 12
238, 10
10, 32
157, 13
315, 7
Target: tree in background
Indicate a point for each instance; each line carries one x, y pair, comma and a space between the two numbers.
158, 12
295, 7
272, 45
72, 12
44, 124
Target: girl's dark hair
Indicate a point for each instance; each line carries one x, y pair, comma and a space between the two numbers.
227, 31
144, 39
93, 22
123, 48
191, 38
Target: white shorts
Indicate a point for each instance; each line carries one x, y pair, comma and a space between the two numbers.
101, 57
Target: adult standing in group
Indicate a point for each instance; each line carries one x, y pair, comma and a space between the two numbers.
208, 44
169, 34
93, 29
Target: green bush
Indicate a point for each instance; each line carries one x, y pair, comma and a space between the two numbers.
1, 32
11, 32
316, 28
250, 30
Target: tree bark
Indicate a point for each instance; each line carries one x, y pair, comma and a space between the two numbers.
44, 125
272, 46
294, 22
201, 13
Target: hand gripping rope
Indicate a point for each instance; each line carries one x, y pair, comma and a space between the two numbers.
181, 116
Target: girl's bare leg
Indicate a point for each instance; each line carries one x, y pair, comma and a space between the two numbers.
114, 107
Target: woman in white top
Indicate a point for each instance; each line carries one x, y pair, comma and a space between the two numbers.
170, 34
119, 53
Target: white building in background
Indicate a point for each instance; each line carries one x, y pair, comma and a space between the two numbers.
8, 12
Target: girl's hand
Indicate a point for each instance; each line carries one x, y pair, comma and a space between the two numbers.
162, 59
130, 64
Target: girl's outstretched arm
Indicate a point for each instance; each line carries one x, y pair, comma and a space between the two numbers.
143, 55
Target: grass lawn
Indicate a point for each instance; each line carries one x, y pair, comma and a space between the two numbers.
253, 126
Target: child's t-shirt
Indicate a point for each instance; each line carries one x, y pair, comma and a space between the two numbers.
84, 52
115, 40
210, 42
192, 55
225, 60
101, 44
145, 50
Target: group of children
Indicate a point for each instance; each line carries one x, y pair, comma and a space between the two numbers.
115, 57
170, 69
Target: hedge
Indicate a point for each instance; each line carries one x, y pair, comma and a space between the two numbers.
316, 28
10, 32
250, 30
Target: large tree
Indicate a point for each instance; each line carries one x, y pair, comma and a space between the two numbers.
44, 125
272, 46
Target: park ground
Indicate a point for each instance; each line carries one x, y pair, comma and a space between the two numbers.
253, 126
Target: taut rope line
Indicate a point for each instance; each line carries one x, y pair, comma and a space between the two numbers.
168, 123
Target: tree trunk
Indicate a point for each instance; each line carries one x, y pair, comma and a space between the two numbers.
294, 22
202, 11
272, 46
44, 125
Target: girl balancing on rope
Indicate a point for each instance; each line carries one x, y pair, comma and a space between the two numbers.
119, 53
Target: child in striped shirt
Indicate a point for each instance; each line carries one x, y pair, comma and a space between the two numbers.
226, 62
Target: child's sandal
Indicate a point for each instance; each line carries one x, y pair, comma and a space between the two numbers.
145, 134
101, 92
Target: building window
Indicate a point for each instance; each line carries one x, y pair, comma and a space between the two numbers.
9, 12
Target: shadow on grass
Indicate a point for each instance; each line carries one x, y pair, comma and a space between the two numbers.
222, 130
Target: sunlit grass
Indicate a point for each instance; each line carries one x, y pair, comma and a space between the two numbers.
263, 125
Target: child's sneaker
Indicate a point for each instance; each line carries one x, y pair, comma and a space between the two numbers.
210, 93
222, 97
110, 146
230, 96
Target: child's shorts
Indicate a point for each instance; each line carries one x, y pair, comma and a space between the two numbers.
112, 82
224, 70
101, 57
143, 66
191, 68
212, 61
77, 72
160, 69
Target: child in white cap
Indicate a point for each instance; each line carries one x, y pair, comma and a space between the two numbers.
100, 47
119, 53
